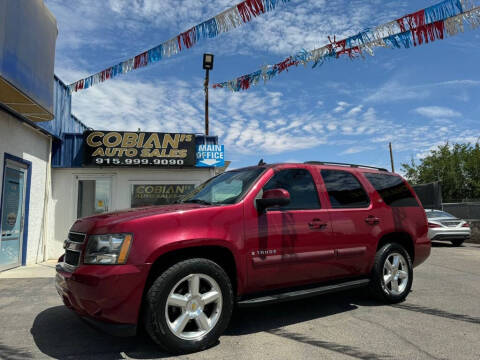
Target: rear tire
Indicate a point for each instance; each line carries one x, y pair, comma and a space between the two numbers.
457, 242
179, 315
392, 274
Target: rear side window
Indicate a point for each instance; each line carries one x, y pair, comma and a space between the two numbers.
392, 189
344, 190
299, 183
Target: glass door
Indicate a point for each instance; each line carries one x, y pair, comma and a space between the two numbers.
13, 211
94, 196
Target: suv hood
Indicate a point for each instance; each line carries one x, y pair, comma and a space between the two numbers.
106, 220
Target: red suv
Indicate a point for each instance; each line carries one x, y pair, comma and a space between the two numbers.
249, 236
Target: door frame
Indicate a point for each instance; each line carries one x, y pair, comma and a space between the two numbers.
78, 177
27, 165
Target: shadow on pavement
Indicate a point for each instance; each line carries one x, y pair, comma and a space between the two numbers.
59, 333
9, 353
443, 244
268, 317
273, 318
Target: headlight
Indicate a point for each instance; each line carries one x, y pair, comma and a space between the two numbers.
108, 249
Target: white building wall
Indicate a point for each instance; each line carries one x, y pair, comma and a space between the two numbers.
65, 189
21, 140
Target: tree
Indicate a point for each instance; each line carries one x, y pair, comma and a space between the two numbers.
456, 166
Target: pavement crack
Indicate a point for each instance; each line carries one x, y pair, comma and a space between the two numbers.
404, 339
438, 312
352, 351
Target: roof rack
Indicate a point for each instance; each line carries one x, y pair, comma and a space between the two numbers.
344, 164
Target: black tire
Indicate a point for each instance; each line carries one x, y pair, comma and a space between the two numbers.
156, 299
378, 288
457, 242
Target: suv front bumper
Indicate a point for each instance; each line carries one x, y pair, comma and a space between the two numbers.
109, 297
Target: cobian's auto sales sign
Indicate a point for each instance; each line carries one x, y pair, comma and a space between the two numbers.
119, 148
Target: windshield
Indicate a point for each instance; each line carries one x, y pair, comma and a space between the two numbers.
226, 188
439, 214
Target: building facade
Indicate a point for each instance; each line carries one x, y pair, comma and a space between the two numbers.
54, 169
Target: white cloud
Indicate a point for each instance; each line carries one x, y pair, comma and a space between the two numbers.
356, 149
176, 106
341, 106
396, 89
436, 112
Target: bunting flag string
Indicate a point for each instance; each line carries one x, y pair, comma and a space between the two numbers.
228, 20
447, 18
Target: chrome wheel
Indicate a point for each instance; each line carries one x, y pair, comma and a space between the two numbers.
193, 306
395, 274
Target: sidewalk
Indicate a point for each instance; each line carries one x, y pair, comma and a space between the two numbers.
42, 270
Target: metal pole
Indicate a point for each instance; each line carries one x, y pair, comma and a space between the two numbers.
207, 78
391, 156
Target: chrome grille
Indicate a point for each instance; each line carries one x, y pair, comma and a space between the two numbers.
73, 249
76, 237
72, 257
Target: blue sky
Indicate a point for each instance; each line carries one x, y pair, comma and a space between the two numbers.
344, 111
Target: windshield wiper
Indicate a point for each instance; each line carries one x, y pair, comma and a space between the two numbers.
197, 201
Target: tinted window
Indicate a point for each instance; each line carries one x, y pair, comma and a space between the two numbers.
299, 183
344, 190
392, 189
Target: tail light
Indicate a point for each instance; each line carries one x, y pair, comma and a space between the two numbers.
432, 225
466, 225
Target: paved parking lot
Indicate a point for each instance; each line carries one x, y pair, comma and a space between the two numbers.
439, 320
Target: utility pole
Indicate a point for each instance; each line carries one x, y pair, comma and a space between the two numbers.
391, 156
207, 65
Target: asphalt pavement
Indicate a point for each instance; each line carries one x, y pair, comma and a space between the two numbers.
439, 320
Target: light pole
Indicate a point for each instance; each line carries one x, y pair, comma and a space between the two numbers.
207, 65
391, 156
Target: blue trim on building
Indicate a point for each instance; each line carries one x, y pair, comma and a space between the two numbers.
6, 157
64, 121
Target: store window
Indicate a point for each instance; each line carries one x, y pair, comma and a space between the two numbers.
94, 197
158, 194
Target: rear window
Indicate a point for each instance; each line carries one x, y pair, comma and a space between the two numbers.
439, 214
344, 190
392, 189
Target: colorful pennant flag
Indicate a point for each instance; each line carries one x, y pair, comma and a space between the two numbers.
223, 22
448, 17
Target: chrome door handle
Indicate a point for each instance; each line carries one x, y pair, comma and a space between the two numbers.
317, 224
372, 220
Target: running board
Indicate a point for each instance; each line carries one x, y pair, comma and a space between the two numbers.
300, 294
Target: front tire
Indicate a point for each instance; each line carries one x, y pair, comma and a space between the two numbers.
392, 274
189, 306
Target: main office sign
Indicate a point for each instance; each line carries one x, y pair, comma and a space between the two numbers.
209, 155
122, 148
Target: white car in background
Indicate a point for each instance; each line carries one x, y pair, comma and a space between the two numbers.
446, 227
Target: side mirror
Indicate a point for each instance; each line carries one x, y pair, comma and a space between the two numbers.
274, 197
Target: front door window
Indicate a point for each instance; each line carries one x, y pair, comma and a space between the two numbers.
12, 216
